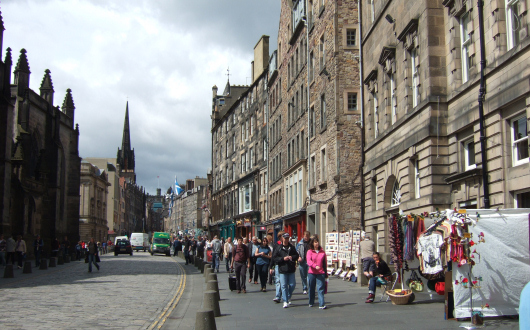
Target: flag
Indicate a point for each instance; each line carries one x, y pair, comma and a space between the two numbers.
178, 190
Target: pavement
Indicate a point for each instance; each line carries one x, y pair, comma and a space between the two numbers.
346, 309
128, 292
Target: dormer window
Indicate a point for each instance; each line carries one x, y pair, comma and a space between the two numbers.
221, 101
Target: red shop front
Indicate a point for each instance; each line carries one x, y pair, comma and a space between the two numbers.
295, 224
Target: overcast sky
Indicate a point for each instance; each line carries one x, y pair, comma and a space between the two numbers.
164, 56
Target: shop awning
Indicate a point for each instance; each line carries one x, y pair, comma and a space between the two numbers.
293, 215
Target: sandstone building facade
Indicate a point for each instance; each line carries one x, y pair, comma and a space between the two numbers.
422, 68
94, 191
315, 160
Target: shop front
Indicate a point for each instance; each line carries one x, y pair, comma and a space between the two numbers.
244, 224
295, 224
261, 231
227, 229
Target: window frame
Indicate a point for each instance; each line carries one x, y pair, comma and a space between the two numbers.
417, 178
512, 39
467, 161
515, 161
464, 45
515, 194
396, 194
349, 33
415, 77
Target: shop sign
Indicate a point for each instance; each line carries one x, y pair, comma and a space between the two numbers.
278, 226
262, 228
239, 222
247, 223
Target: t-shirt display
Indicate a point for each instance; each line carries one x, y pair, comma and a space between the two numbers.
429, 249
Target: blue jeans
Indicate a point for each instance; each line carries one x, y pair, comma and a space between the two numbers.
92, 259
228, 261
215, 261
373, 284
303, 274
277, 282
316, 281
288, 283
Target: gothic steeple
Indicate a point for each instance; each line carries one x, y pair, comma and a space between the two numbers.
125, 157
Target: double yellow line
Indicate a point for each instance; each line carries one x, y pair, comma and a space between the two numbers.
161, 319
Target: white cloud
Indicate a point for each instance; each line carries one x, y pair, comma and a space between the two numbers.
163, 56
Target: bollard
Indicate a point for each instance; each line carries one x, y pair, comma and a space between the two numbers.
8, 272
211, 302
53, 263
201, 266
206, 273
60, 260
205, 320
212, 277
195, 260
66, 259
27, 267
213, 286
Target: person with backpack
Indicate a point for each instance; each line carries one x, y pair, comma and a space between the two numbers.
216, 251
302, 248
285, 256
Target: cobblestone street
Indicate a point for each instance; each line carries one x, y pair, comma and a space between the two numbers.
128, 292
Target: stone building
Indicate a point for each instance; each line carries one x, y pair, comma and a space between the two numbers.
93, 191
422, 70
39, 160
239, 151
113, 196
315, 142
186, 209
156, 213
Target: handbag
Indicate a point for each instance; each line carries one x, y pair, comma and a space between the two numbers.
414, 282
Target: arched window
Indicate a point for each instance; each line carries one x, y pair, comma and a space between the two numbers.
396, 194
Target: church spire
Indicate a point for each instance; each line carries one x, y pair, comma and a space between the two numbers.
126, 154
126, 140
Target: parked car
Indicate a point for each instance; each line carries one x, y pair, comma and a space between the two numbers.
123, 247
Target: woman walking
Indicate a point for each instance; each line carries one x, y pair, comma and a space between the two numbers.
316, 277
263, 257
92, 253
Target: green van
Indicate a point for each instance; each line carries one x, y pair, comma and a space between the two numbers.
161, 243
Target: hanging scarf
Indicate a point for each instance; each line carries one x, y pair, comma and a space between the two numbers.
409, 240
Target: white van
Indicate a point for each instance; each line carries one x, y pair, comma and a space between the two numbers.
140, 241
120, 237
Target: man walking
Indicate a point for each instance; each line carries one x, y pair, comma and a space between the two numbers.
187, 249
302, 248
241, 263
38, 246
274, 268
228, 250
92, 252
200, 248
216, 251
285, 257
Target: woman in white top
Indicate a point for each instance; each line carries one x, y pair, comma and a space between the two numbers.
228, 249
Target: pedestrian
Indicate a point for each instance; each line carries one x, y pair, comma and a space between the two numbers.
104, 247
274, 268
66, 246
241, 263
317, 272
187, 249
286, 256
55, 247
216, 251
228, 249
78, 251
193, 246
302, 248
263, 256
38, 246
383, 276
253, 246
367, 247
271, 271
3, 249
20, 250
92, 253
200, 248
175, 247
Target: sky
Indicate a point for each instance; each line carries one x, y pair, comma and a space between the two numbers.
162, 56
